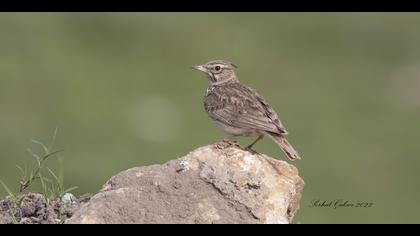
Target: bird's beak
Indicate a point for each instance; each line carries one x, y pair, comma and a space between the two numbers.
200, 68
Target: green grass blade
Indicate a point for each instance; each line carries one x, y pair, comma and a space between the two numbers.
57, 187
53, 139
14, 221
53, 175
70, 189
43, 184
38, 159
46, 186
61, 173
51, 154
8, 191
24, 172
46, 150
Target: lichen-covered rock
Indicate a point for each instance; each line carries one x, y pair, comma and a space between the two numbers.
3, 219
219, 183
35, 208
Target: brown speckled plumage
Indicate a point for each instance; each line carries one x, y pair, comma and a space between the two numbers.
240, 110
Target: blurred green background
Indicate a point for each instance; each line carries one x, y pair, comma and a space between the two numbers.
121, 91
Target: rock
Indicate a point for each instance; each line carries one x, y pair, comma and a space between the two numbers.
3, 219
35, 208
67, 199
219, 183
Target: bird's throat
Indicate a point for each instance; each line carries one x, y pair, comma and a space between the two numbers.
225, 81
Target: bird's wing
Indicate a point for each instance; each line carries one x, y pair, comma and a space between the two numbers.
269, 111
242, 107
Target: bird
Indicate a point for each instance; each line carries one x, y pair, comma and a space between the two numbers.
239, 110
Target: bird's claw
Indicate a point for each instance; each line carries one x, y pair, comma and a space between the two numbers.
226, 140
249, 149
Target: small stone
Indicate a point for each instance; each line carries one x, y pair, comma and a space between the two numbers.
68, 199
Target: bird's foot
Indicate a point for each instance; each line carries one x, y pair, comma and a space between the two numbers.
249, 149
230, 141
226, 143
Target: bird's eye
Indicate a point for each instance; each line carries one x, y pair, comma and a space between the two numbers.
217, 68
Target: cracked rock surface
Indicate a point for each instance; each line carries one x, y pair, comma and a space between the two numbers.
218, 183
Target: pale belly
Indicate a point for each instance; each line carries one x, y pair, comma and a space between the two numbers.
234, 130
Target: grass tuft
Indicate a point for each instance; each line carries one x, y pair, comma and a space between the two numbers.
52, 184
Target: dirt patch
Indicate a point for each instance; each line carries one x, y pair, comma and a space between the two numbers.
34, 208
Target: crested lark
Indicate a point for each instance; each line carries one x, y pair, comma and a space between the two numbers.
240, 110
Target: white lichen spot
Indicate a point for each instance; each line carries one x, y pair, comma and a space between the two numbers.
189, 164
139, 174
184, 165
250, 162
68, 198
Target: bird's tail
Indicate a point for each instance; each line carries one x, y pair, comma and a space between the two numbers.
287, 148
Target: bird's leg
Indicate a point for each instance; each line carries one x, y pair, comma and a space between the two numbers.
249, 147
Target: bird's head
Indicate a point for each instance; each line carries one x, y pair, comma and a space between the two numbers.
218, 71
